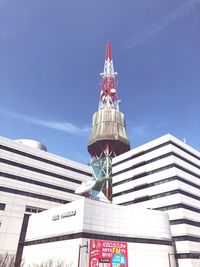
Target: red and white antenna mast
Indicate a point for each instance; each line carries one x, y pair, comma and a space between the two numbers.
108, 97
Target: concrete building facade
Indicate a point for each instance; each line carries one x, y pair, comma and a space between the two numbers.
32, 180
90, 233
164, 175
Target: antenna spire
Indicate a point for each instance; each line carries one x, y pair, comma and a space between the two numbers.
108, 51
108, 96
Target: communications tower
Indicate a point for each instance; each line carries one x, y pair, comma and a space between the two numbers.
108, 138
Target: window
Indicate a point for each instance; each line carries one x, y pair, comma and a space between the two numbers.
2, 206
33, 209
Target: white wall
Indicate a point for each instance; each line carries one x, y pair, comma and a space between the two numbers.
99, 218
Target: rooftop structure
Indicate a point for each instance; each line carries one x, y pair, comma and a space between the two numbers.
32, 144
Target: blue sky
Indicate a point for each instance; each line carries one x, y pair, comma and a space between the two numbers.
52, 52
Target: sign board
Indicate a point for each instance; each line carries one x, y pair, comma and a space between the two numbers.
105, 253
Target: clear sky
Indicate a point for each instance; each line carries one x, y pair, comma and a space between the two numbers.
52, 52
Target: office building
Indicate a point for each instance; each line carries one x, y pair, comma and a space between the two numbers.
32, 180
164, 175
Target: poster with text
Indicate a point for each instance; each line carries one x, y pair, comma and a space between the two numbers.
105, 253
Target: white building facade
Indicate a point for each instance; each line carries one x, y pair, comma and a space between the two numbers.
164, 175
88, 233
32, 180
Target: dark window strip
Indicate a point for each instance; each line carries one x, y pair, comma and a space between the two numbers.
32, 209
44, 160
186, 160
154, 148
180, 191
173, 165
143, 186
141, 199
143, 152
135, 177
102, 237
168, 193
185, 221
187, 255
9, 162
133, 189
178, 206
180, 168
30, 181
185, 150
186, 238
33, 195
143, 163
188, 182
176, 191
2, 206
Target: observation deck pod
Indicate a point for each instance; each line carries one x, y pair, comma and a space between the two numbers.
108, 129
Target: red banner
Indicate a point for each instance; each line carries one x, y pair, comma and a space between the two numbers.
105, 253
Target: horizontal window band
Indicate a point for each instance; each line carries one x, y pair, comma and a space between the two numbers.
173, 165
156, 159
187, 255
33, 195
32, 209
143, 152
136, 188
101, 237
143, 186
185, 221
178, 206
136, 155
26, 167
44, 160
187, 238
176, 191
142, 164
168, 193
135, 177
35, 182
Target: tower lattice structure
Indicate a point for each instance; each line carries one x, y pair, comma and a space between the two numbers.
108, 138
